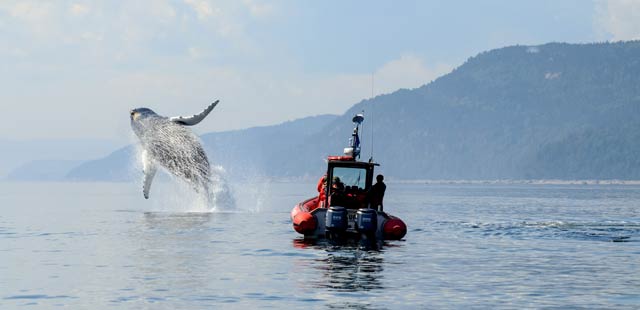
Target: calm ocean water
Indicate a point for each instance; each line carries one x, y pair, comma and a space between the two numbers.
102, 246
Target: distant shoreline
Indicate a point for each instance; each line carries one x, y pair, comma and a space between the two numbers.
527, 182
262, 179
308, 179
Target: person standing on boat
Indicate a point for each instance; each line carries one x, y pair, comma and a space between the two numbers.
376, 193
322, 184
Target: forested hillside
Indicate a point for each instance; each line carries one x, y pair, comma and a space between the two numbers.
552, 111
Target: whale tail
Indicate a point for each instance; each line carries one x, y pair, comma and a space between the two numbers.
194, 119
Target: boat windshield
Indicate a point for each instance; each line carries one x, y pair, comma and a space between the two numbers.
351, 177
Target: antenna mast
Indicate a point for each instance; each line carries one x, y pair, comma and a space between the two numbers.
371, 119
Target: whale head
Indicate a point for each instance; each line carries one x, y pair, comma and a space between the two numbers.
142, 119
140, 113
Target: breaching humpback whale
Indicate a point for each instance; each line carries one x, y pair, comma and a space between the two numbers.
168, 143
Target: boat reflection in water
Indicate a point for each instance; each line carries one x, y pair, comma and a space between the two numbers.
346, 266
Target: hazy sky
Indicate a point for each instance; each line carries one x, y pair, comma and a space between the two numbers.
74, 69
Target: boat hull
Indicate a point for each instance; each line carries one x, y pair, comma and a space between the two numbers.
311, 221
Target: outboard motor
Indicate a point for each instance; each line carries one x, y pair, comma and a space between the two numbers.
367, 221
336, 220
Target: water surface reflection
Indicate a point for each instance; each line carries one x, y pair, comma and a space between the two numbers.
345, 266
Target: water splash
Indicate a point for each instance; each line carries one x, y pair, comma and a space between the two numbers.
252, 193
220, 193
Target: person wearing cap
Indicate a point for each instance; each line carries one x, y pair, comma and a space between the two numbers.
337, 185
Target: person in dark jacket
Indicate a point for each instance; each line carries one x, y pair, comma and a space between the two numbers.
376, 193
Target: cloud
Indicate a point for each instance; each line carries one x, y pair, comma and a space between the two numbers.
617, 20
74, 68
203, 8
552, 75
79, 9
27, 16
409, 71
28, 10
130, 30
258, 9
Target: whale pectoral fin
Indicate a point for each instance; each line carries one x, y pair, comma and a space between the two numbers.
194, 119
149, 169
148, 178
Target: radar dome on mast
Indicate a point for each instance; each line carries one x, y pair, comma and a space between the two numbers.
353, 149
358, 118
